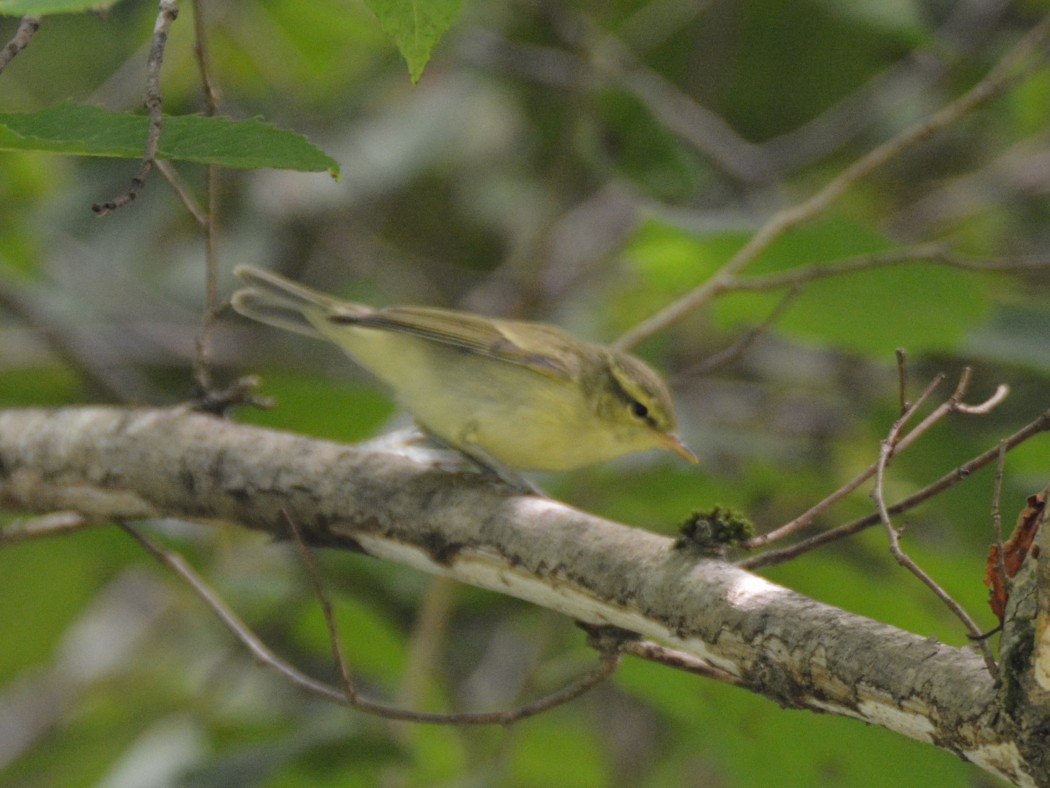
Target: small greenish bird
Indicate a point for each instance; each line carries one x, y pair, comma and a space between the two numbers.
512, 395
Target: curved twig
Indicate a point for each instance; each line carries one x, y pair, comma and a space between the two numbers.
773, 557
166, 15
347, 694
886, 451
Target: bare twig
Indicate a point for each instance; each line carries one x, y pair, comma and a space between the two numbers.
893, 535
200, 49
953, 404
182, 191
1011, 67
201, 362
231, 620
654, 652
349, 692
815, 511
1002, 391
695, 124
347, 696
55, 524
921, 254
167, 12
27, 26
772, 557
427, 639
997, 517
902, 378
80, 349
744, 343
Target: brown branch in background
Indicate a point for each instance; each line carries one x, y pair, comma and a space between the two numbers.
696, 125
200, 49
427, 639
609, 662
902, 379
27, 26
166, 15
183, 192
744, 343
997, 517
202, 357
654, 652
55, 524
1014, 65
912, 77
81, 350
231, 620
929, 254
772, 557
893, 535
349, 692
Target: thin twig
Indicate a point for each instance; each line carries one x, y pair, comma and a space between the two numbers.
166, 15
428, 638
997, 517
773, 557
607, 665
744, 343
922, 254
231, 620
654, 652
182, 191
202, 357
27, 26
902, 378
816, 510
82, 350
349, 692
200, 49
1003, 75
679, 112
953, 404
1002, 391
54, 524
212, 307
893, 536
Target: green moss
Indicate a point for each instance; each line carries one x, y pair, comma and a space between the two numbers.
713, 530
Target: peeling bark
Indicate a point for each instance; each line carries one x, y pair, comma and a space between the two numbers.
133, 464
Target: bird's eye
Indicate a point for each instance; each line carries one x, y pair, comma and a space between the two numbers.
639, 410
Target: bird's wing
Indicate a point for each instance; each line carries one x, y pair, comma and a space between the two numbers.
531, 345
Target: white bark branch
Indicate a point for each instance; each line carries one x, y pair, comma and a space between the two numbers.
131, 464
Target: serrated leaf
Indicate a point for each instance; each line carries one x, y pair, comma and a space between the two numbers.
44, 7
416, 26
91, 131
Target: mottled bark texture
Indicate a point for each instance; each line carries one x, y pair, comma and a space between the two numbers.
135, 464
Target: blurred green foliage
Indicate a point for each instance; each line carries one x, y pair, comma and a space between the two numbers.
529, 173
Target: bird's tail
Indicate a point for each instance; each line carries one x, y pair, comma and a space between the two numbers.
280, 302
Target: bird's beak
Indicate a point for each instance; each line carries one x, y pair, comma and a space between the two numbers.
675, 444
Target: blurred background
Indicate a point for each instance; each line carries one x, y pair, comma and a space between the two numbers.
580, 163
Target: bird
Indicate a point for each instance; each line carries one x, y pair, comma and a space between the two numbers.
512, 395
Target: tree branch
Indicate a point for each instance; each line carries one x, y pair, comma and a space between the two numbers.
1018, 62
127, 464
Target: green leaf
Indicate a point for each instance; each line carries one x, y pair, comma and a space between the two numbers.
91, 131
43, 7
416, 26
